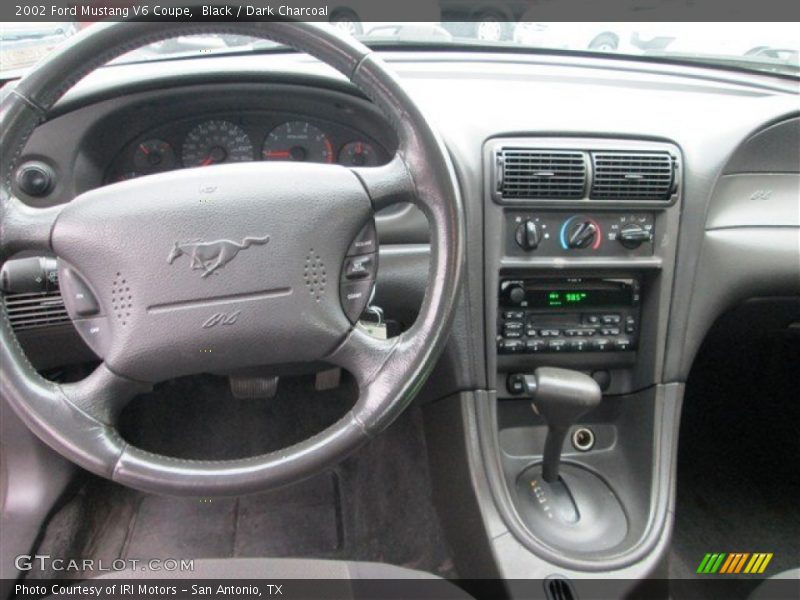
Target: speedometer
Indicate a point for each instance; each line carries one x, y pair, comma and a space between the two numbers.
299, 141
214, 142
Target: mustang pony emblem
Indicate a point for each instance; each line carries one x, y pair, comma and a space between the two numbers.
210, 256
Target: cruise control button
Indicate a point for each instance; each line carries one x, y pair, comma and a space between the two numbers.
366, 242
96, 333
77, 295
354, 297
360, 267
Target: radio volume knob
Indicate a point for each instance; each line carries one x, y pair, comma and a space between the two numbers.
516, 293
582, 235
528, 235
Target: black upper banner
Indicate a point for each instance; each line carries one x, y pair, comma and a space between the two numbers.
87, 11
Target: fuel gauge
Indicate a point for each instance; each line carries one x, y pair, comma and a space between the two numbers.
154, 155
358, 154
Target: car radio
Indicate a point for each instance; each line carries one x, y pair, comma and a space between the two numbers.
568, 315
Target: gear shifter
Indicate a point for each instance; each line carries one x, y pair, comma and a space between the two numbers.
566, 505
560, 397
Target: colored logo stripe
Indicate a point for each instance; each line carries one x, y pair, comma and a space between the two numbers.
734, 562
758, 563
711, 562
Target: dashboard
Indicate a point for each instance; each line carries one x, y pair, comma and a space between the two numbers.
194, 124
663, 196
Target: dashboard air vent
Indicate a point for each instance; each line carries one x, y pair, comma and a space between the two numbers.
632, 176
550, 174
37, 309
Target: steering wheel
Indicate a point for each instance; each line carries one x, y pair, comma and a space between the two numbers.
228, 266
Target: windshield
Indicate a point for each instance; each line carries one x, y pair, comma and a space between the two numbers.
769, 47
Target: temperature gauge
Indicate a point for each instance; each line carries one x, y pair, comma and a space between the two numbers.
358, 154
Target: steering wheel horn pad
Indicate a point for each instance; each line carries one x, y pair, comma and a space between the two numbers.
194, 270
222, 267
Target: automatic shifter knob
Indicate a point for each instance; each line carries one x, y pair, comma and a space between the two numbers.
560, 397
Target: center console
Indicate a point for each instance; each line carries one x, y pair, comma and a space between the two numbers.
580, 237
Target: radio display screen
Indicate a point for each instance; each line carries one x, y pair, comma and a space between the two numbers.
562, 298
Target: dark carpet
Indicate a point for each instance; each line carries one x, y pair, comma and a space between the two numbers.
374, 506
738, 475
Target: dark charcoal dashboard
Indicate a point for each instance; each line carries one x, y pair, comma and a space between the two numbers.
613, 210
143, 133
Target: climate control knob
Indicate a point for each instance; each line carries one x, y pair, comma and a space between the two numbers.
528, 235
632, 236
582, 234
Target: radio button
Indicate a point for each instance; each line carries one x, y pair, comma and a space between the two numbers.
630, 324
609, 331
591, 319
512, 333
549, 332
514, 314
530, 332
623, 344
610, 319
602, 345
510, 346
515, 325
579, 346
534, 346
557, 346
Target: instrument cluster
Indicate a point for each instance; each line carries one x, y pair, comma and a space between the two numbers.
218, 139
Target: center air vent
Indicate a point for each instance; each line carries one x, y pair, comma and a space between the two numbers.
37, 309
546, 174
632, 176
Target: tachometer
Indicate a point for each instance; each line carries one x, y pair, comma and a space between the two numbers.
214, 142
298, 140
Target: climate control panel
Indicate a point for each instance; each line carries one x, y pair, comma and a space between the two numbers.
541, 233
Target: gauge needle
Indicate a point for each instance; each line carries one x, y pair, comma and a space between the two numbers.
207, 161
277, 154
144, 149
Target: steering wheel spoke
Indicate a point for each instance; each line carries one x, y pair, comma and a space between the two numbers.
103, 394
387, 184
24, 227
363, 355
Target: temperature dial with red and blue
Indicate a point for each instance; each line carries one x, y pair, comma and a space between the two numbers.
579, 233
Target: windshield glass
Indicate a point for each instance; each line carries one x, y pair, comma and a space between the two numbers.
770, 47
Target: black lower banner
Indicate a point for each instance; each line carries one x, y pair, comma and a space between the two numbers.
554, 588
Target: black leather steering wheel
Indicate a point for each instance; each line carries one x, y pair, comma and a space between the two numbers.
163, 256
